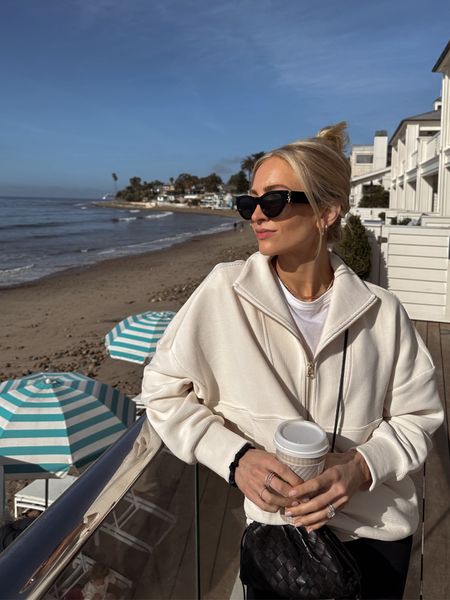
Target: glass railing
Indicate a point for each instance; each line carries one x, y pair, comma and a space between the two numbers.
128, 527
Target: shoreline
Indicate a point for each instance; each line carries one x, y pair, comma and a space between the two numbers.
197, 210
58, 323
75, 269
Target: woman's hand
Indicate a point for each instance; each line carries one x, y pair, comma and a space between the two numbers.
252, 477
344, 475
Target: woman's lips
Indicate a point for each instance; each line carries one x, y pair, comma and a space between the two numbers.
263, 234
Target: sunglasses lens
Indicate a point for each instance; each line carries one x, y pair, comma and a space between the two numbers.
246, 206
273, 204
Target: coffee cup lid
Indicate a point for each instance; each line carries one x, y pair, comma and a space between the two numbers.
301, 438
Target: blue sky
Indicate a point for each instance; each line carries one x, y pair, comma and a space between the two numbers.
154, 88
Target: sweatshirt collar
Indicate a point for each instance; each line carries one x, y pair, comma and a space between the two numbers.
351, 297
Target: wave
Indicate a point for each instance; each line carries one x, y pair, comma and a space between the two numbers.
37, 225
54, 224
49, 236
140, 217
162, 243
158, 215
16, 270
108, 251
31, 225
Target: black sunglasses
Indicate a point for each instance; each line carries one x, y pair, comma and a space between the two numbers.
271, 203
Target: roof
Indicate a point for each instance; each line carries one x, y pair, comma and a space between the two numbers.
442, 57
371, 175
433, 115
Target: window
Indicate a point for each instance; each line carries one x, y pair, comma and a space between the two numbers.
364, 158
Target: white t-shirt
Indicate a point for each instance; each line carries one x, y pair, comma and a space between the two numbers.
308, 316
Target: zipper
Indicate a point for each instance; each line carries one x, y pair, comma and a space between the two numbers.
309, 385
310, 370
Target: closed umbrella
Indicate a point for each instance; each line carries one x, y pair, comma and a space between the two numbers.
134, 339
52, 421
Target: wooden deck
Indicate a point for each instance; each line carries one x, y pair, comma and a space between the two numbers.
429, 572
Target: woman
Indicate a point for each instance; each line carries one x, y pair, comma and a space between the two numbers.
260, 342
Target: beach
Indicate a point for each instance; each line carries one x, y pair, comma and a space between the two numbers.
58, 323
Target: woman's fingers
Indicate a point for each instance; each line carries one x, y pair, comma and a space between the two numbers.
265, 462
312, 527
264, 480
265, 500
318, 518
272, 485
283, 472
320, 498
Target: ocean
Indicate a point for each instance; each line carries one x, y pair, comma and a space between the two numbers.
40, 236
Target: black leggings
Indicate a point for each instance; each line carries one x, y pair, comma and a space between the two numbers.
383, 565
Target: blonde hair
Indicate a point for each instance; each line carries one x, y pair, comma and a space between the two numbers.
324, 170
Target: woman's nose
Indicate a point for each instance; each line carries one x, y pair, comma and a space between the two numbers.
258, 215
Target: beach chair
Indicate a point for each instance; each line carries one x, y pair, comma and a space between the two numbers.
132, 504
71, 582
140, 408
32, 496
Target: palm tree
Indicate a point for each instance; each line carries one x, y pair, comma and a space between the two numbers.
115, 178
248, 163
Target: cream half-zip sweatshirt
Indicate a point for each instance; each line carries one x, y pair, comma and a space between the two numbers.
231, 366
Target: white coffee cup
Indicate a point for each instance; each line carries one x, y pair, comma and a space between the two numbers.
303, 446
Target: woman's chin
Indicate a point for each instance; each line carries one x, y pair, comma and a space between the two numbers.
265, 248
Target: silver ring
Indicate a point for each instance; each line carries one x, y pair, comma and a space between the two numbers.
331, 511
267, 482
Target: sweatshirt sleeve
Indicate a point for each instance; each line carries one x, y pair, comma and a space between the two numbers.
412, 410
180, 397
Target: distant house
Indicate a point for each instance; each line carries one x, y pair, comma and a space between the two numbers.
420, 166
443, 66
415, 162
414, 165
369, 167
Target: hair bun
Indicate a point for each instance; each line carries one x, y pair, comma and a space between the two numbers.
335, 135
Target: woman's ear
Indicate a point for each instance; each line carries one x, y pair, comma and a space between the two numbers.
330, 214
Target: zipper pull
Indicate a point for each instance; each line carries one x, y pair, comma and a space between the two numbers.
310, 370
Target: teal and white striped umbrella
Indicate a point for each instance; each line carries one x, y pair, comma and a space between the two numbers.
135, 338
51, 421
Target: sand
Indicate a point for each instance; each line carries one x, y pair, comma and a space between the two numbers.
58, 323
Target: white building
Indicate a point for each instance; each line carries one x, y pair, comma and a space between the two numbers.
365, 159
369, 167
418, 176
415, 163
443, 66
414, 262
421, 158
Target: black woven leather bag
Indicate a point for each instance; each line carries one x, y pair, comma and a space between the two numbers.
294, 564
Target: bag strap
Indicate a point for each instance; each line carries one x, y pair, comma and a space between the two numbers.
341, 389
